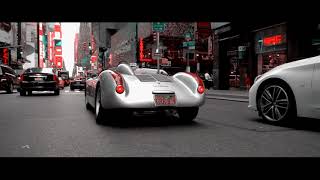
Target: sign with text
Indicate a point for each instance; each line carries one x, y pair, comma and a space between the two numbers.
158, 26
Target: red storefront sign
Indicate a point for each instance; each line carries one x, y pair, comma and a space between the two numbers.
5, 56
272, 40
141, 55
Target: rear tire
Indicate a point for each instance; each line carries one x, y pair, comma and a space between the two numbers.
10, 89
22, 92
71, 88
29, 93
100, 112
278, 108
188, 114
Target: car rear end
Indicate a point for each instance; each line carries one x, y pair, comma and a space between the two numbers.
39, 80
151, 91
78, 84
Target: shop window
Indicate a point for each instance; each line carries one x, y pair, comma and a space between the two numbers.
272, 60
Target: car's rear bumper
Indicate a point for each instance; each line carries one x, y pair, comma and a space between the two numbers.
39, 86
78, 85
115, 101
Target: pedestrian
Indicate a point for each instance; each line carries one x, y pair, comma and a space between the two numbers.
208, 80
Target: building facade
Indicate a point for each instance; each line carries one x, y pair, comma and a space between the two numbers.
243, 51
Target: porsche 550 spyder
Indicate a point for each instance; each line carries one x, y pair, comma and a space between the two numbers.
124, 89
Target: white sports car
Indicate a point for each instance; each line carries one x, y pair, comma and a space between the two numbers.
288, 91
123, 90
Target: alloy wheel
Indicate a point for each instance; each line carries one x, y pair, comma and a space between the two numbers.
274, 103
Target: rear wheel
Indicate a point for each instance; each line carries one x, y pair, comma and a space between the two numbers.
10, 88
29, 93
188, 114
276, 103
71, 88
22, 92
99, 111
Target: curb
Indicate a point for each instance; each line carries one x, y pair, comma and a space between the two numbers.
228, 99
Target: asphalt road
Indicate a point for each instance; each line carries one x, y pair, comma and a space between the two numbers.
44, 125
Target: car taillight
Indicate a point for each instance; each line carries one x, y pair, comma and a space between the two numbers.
201, 87
119, 82
21, 78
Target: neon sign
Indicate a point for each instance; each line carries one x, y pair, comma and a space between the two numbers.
141, 46
273, 40
5, 56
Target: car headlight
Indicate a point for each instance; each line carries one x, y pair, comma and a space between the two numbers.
259, 76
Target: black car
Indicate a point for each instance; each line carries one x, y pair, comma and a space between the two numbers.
78, 84
39, 79
8, 78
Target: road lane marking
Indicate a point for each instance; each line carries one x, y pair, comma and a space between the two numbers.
25, 146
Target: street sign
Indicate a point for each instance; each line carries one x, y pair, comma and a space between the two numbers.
158, 26
185, 44
192, 47
188, 44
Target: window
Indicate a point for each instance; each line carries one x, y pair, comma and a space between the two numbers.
0, 70
39, 70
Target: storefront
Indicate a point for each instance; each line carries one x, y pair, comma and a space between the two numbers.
271, 47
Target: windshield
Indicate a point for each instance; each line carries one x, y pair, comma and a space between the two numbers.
40, 70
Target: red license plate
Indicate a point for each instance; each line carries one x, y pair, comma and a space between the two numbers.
165, 99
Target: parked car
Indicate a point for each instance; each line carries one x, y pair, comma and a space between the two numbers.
8, 78
78, 83
288, 91
123, 90
39, 79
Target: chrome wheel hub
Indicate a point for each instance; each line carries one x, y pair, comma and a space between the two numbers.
274, 103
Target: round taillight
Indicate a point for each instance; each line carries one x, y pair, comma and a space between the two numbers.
119, 89
201, 89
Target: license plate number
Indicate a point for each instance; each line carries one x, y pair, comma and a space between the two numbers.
165, 99
38, 79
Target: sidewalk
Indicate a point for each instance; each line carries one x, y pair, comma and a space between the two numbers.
230, 95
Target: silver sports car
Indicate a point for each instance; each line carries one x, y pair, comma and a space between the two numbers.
123, 90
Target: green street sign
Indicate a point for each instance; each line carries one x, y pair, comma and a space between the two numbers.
191, 43
185, 44
158, 26
188, 43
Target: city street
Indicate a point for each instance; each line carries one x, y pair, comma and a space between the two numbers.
44, 125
